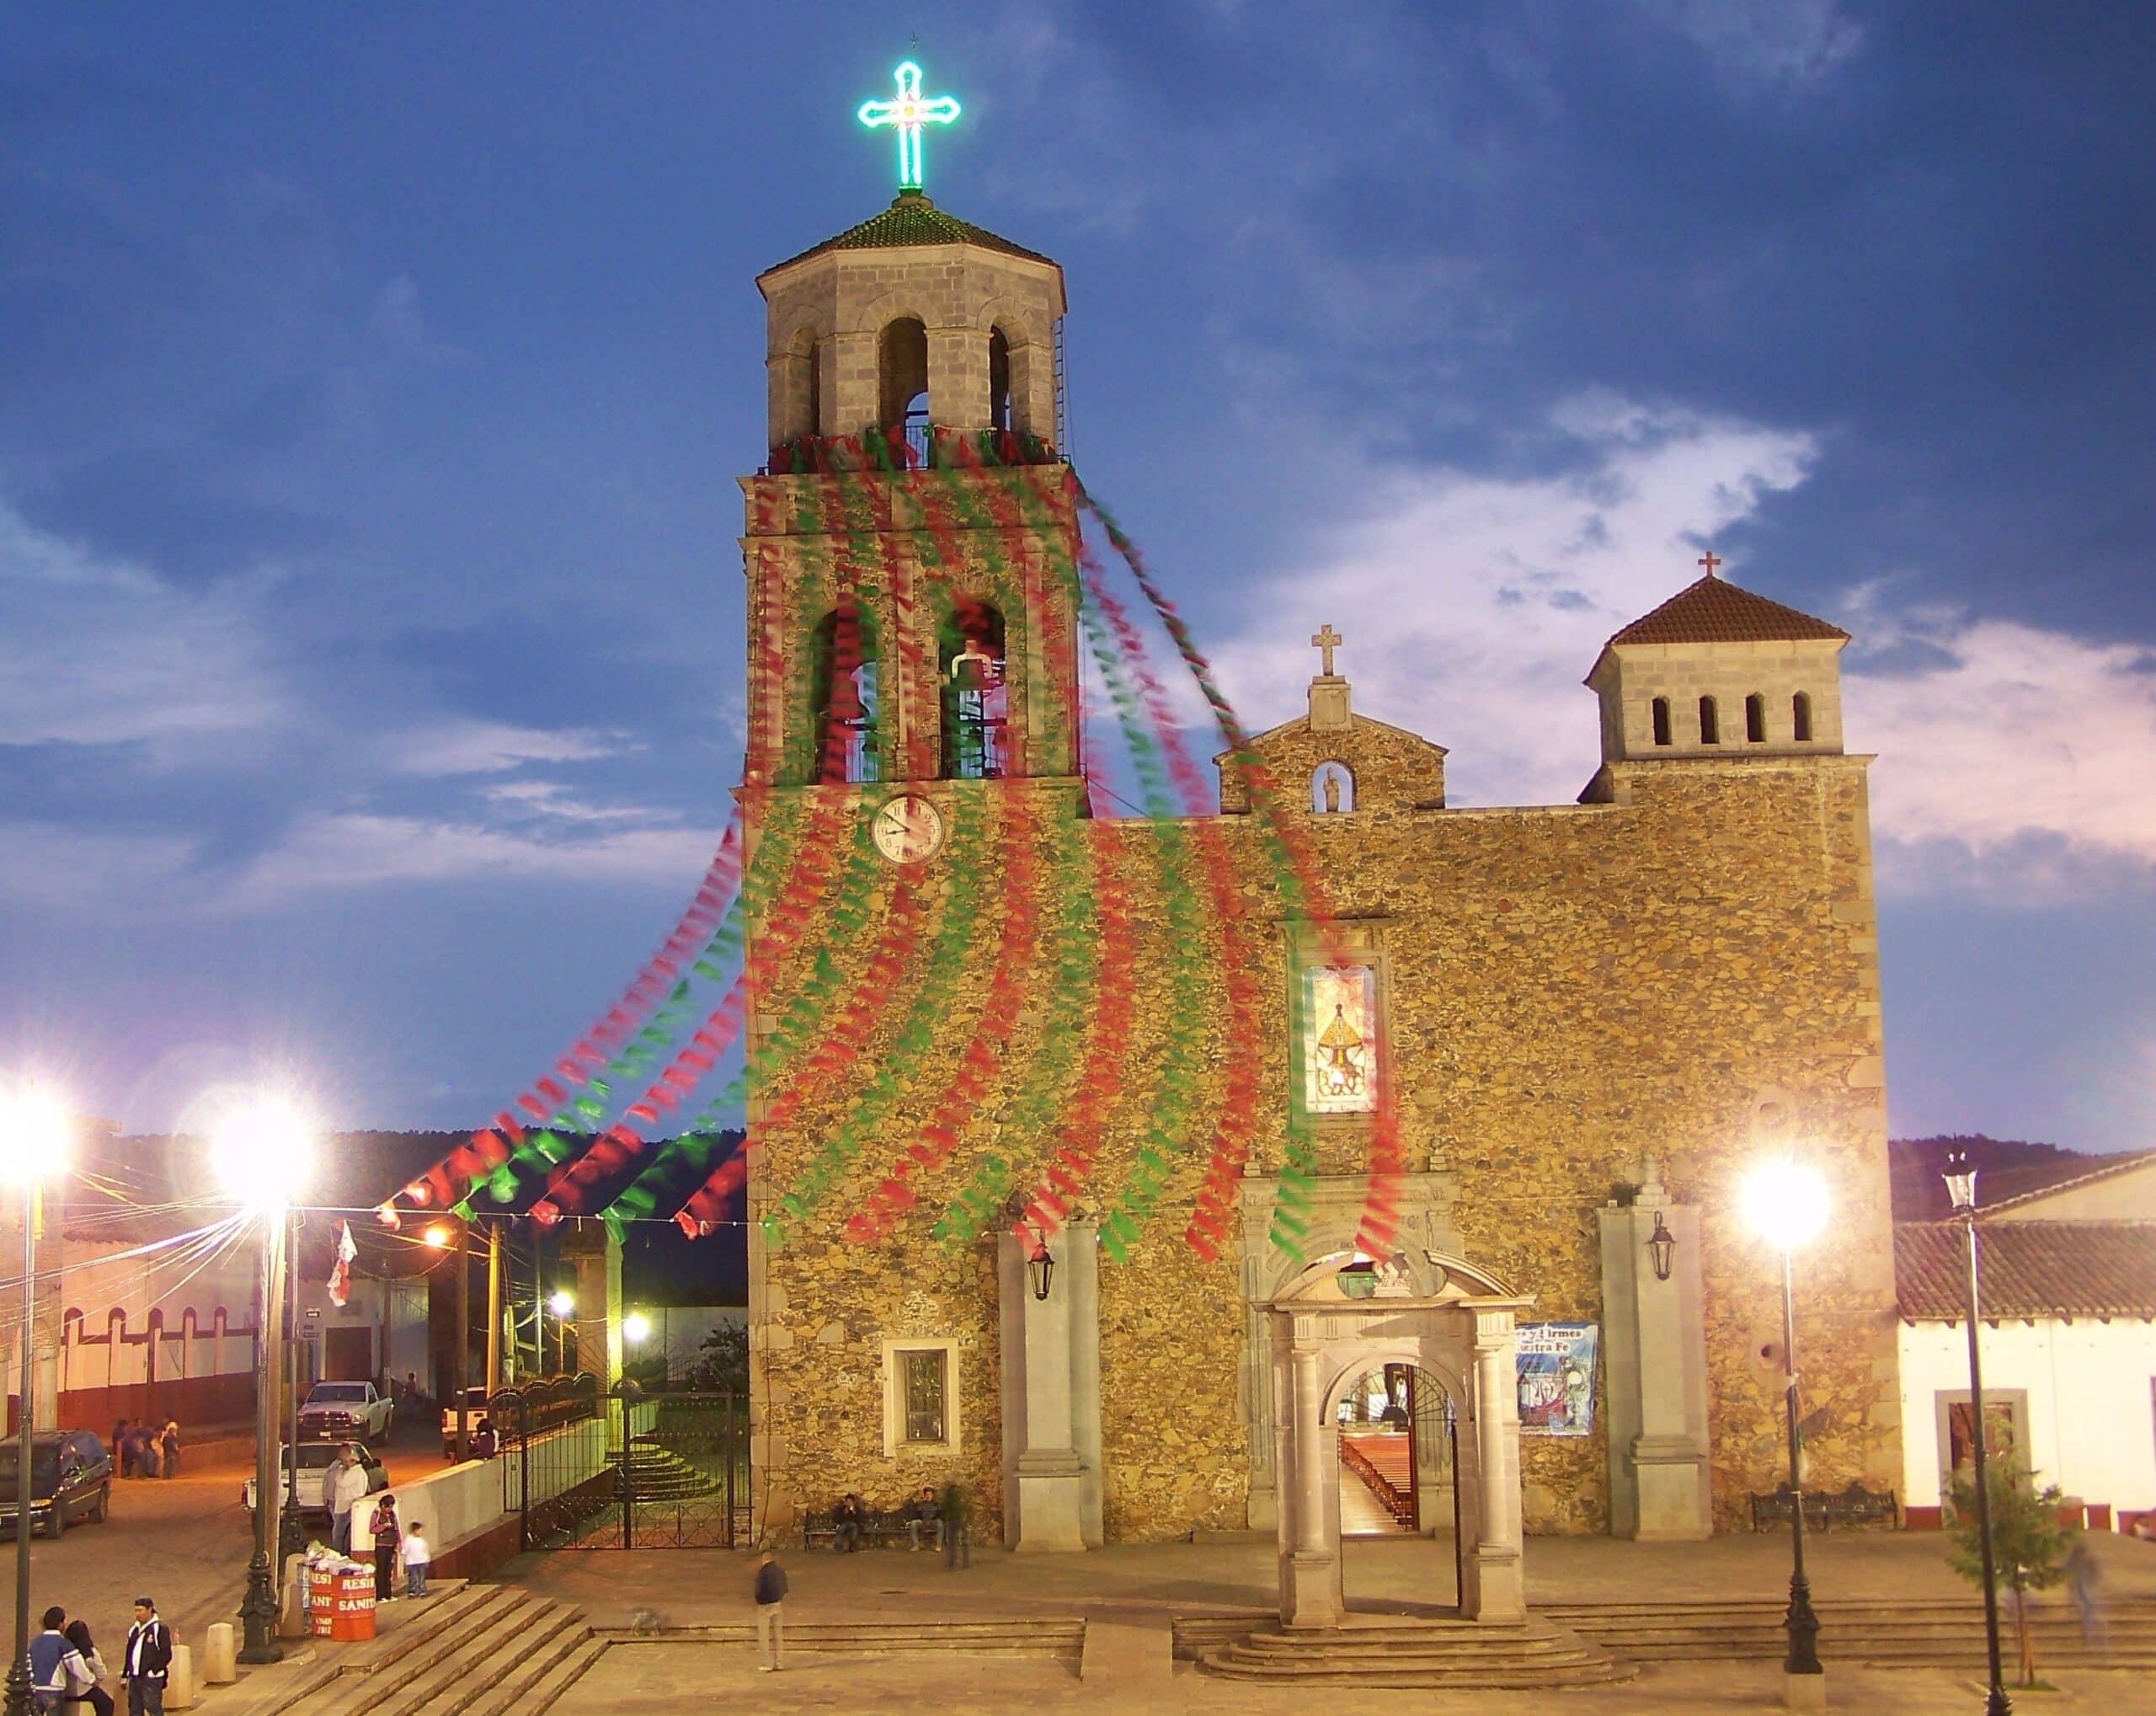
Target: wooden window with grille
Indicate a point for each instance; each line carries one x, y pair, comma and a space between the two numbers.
923, 1381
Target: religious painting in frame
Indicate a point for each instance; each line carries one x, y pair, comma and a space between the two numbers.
1554, 1363
1340, 1039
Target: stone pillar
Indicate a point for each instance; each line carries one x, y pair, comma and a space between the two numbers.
597, 1257
1500, 1584
1310, 1593
1655, 1371
1051, 1395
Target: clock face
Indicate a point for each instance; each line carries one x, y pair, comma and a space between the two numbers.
907, 830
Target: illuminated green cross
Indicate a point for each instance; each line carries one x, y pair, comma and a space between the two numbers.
909, 113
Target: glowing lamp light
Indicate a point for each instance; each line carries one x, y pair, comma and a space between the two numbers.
1785, 1205
635, 1327
438, 1237
35, 1132
263, 1153
562, 1303
907, 114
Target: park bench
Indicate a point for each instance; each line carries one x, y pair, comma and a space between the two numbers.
1825, 1509
880, 1528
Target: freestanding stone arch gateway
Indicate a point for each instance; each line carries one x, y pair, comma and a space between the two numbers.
1335, 1321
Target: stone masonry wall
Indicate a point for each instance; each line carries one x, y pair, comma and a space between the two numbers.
1687, 969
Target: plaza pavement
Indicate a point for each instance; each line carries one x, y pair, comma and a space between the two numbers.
1129, 1594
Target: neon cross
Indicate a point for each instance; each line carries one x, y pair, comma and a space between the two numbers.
909, 113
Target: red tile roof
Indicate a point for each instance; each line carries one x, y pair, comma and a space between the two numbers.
2029, 1269
912, 219
2010, 1188
1715, 610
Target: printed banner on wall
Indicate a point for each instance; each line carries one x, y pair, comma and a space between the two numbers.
1556, 1378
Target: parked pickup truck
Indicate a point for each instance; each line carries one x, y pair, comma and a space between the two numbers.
339, 1411
312, 1482
475, 1408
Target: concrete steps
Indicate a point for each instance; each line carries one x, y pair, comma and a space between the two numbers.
660, 1474
495, 1650
1463, 1655
1051, 1638
1933, 1633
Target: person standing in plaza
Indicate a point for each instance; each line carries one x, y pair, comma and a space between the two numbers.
147, 1657
56, 1667
386, 1530
958, 1527
347, 1489
770, 1614
169, 1445
93, 1695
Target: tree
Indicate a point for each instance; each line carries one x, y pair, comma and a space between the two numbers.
2028, 1544
723, 1360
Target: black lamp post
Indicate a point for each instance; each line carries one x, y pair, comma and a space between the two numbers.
1787, 1204
1661, 1247
1040, 1271
34, 1138
262, 1155
1962, 1185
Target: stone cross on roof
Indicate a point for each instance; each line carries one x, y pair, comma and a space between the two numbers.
1711, 561
1326, 640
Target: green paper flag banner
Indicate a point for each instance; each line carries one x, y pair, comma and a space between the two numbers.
1296, 865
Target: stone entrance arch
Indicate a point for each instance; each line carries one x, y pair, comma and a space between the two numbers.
1339, 1318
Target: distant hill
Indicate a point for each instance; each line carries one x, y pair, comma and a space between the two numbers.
2005, 1166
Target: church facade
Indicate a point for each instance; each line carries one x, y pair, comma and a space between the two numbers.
1596, 1018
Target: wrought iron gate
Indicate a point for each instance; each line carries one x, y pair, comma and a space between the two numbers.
586, 1470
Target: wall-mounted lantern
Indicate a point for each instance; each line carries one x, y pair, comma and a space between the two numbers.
1040, 1271
1661, 1247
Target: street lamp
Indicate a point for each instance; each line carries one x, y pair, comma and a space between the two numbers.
1961, 1177
635, 1327
261, 1153
1040, 1271
35, 1134
1786, 1206
563, 1306
1661, 1248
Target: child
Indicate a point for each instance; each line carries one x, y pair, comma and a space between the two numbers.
383, 1528
416, 1555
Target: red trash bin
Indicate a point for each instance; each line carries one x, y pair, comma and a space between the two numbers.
321, 1602
354, 1610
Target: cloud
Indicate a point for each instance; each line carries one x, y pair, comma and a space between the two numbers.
1474, 605
399, 323
2021, 757
100, 651
492, 747
1784, 43
2014, 759
351, 850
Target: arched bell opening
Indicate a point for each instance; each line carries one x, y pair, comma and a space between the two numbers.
975, 695
902, 380
845, 700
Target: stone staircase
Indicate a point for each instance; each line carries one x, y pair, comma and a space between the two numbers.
478, 1651
660, 1474
1041, 1638
1533, 1655
1916, 1633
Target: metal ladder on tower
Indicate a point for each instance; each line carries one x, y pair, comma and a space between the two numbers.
1062, 398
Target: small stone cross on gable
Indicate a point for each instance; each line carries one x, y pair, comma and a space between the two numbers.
1711, 560
1326, 640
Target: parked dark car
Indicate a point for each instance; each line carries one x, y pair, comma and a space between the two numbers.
71, 1480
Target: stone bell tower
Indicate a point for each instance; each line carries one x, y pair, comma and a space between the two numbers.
910, 555
915, 530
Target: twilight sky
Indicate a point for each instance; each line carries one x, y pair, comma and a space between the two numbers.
373, 382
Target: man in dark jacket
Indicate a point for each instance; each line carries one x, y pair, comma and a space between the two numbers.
958, 1527
770, 1613
149, 1655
